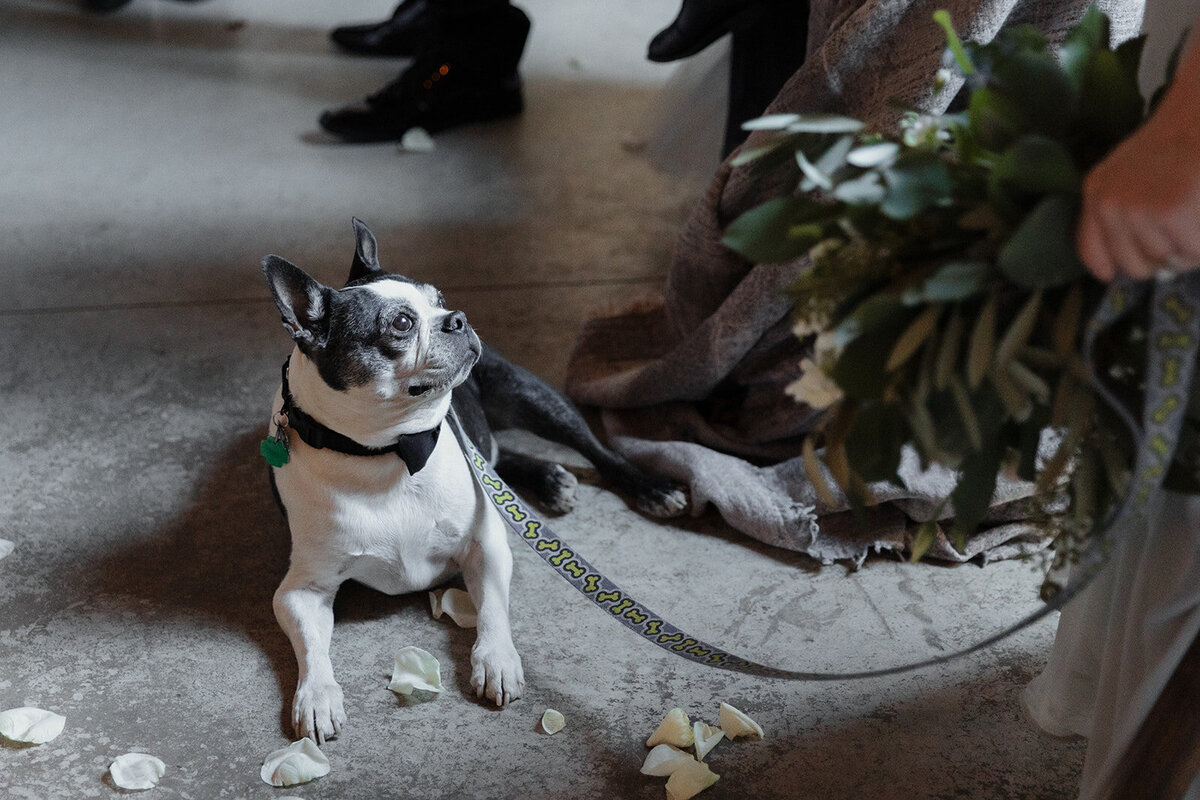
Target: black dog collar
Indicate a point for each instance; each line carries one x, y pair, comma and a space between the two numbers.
413, 449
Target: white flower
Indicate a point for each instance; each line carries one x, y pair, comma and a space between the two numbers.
814, 386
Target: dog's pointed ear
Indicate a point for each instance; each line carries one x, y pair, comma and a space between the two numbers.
366, 253
302, 301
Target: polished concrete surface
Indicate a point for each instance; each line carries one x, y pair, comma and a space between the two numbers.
148, 160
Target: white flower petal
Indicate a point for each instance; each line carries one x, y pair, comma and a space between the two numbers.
31, 725
460, 607
299, 762
136, 771
415, 669
675, 729
689, 780
706, 737
663, 760
417, 140
435, 603
735, 723
553, 721
6, 547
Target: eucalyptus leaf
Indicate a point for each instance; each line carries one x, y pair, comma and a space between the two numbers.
866, 189
953, 281
779, 230
876, 312
873, 155
914, 184
972, 496
926, 536
825, 167
996, 120
770, 122
1037, 164
875, 440
859, 370
824, 123
1111, 106
1084, 40
1037, 82
1041, 251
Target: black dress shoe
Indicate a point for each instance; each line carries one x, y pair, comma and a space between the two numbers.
431, 94
699, 24
399, 35
466, 73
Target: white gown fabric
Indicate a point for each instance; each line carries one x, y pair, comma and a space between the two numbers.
1120, 640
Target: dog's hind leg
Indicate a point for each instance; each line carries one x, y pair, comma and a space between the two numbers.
514, 397
552, 487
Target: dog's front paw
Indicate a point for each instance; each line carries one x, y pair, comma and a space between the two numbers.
317, 711
661, 498
496, 673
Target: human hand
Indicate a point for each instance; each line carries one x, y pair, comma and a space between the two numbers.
1141, 204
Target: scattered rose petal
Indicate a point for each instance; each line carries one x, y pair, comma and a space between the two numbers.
675, 729
435, 603
553, 721
417, 140
136, 771
299, 762
663, 760
735, 723
460, 607
415, 669
6, 547
706, 737
690, 779
31, 725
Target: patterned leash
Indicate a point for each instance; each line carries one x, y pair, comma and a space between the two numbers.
1171, 355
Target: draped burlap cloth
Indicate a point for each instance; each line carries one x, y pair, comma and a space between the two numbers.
693, 386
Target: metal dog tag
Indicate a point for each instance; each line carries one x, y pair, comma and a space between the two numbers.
275, 448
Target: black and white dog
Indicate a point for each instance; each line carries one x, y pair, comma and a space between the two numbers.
374, 486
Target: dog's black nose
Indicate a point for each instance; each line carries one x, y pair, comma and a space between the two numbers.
454, 322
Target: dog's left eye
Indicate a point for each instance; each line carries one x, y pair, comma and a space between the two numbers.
403, 323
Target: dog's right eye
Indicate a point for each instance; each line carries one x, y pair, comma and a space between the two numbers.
403, 323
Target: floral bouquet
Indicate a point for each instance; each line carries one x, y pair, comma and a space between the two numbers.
945, 303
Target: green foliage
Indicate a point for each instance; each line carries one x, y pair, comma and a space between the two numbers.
943, 261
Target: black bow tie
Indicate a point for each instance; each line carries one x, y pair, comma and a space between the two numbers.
413, 449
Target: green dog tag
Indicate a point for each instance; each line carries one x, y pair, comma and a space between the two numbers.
274, 450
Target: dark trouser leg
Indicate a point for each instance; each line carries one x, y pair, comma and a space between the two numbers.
763, 57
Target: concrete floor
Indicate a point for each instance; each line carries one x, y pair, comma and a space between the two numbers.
148, 160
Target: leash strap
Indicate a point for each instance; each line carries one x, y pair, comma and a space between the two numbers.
1171, 355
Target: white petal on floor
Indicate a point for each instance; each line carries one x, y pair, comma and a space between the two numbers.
735, 723
415, 669
136, 771
664, 760
553, 721
461, 608
31, 725
299, 762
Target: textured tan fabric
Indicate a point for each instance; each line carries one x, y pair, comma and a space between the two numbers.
709, 365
